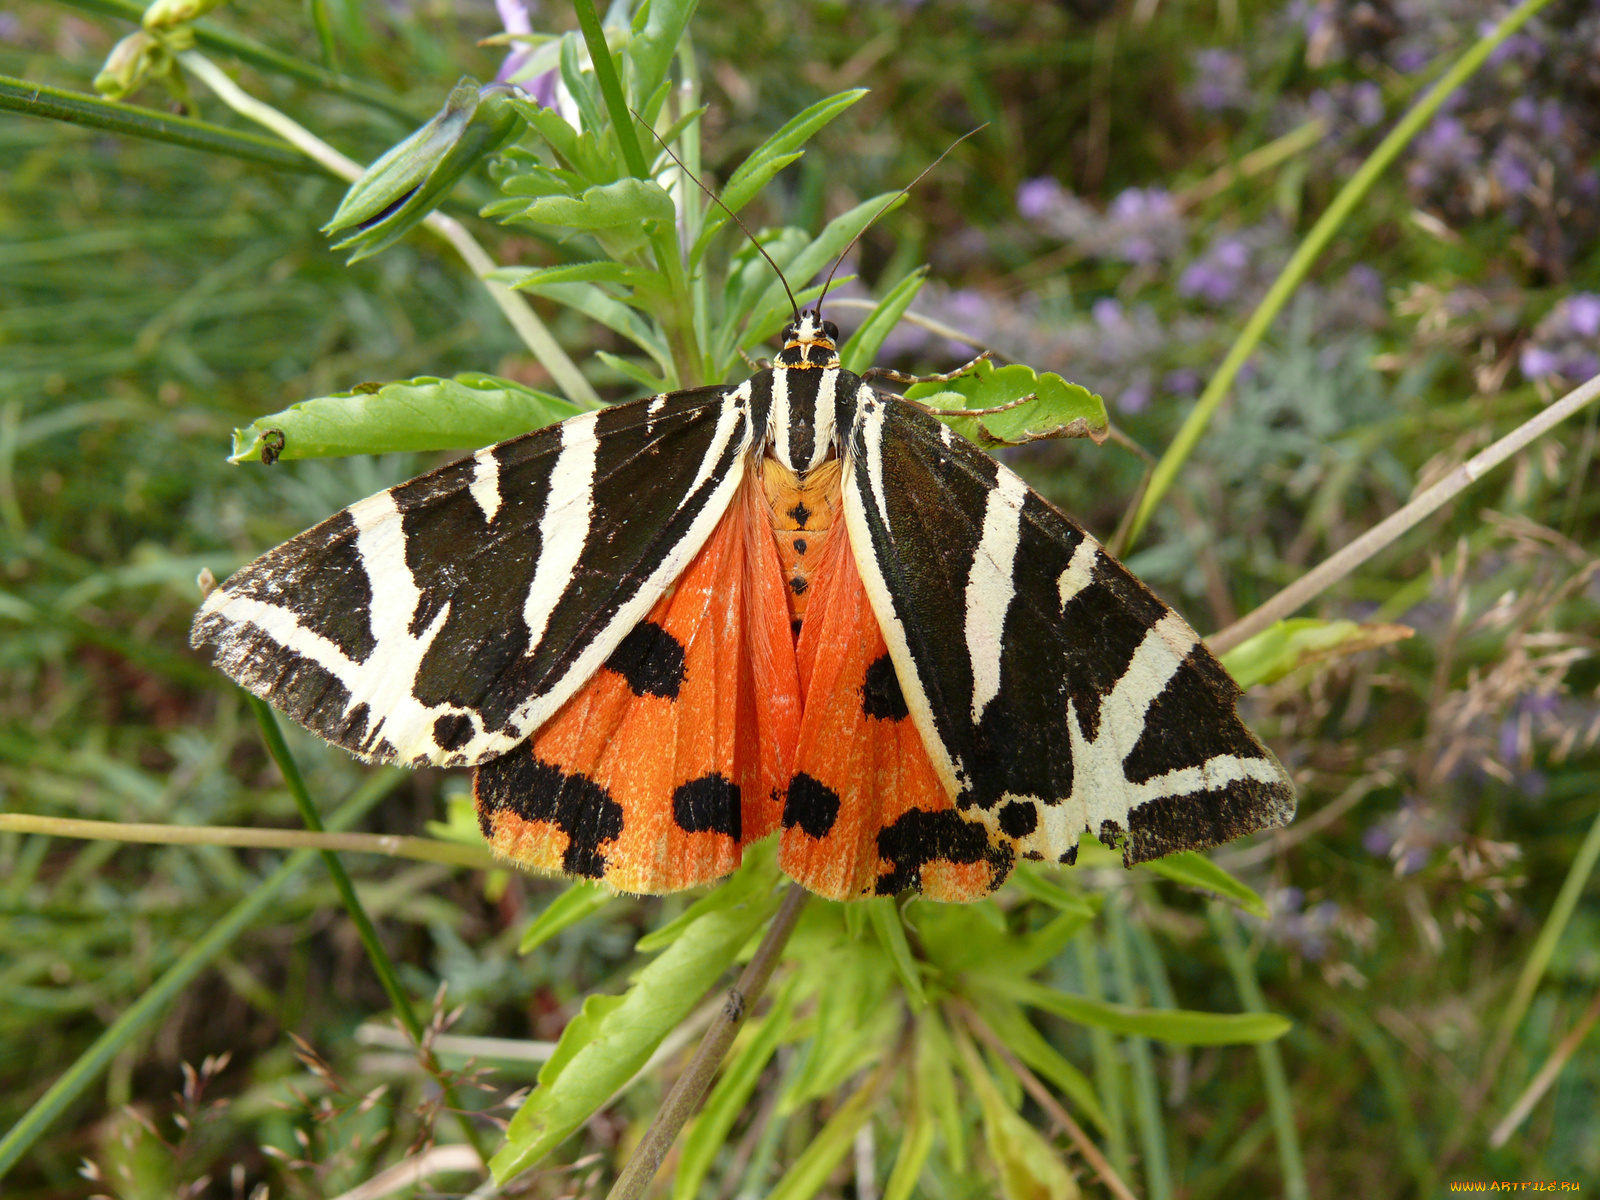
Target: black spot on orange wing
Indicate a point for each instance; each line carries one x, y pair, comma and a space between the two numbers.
811, 806
708, 804
651, 660
919, 838
538, 793
881, 696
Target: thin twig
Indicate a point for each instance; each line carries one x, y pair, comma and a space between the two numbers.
240, 837
1541, 1082
1047, 1101
1340, 564
513, 304
691, 1086
924, 322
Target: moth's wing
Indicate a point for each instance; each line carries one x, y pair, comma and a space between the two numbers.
865, 813
671, 758
443, 620
1055, 693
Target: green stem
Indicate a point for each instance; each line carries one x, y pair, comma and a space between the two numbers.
1306, 254
279, 749
1146, 1092
1279, 1103
594, 36
178, 976
257, 55
80, 108
1107, 1070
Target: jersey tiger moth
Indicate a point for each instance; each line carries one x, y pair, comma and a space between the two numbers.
668, 628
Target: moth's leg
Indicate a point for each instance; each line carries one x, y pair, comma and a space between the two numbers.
976, 412
755, 364
901, 377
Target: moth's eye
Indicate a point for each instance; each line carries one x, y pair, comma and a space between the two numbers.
831, 331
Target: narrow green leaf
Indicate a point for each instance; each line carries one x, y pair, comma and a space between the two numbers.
936, 1084
605, 72
425, 413
581, 899
651, 49
754, 878
1058, 409
1197, 871
811, 1170
1023, 954
853, 1024
131, 120
652, 383
886, 923
567, 142
1029, 1168
610, 312
862, 348
1279, 649
620, 1033
625, 202
916, 1142
767, 159
586, 272
1182, 1026
1031, 1046
1026, 879
732, 1093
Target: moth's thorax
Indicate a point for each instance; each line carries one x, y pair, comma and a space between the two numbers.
804, 424
802, 508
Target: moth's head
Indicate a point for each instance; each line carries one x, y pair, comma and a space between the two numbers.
810, 342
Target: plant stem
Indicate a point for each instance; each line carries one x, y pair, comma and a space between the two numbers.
514, 305
178, 976
691, 1086
1279, 1103
1340, 564
279, 749
605, 71
132, 120
1541, 1082
1047, 1101
416, 848
1306, 254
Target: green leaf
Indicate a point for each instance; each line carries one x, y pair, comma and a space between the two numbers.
570, 146
425, 413
618, 1034
585, 272
610, 312
936, 1086
1059, 409
853, 1024
580, 899
732, 1093
1026, 953
811, 1170
1282, 647
629, 369
771, 312
1197, 871
1026, 879
651, 49
1029, 1168
1031, 1046
766, 160
916, 1141
604, 206
858, 353
1180, 1026
886, 923
755, 877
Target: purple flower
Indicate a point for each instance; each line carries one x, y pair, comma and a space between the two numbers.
1037, 198
1217, 274
1220, 82
10, 28
1183, 382
1410, 59
514, 17
1537, 362
1583, 314
1367, 100
1135, 398
1511, 173
1107, 313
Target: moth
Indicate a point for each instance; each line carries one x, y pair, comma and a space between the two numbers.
800, 604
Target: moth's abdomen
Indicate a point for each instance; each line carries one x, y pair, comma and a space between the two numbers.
802, 509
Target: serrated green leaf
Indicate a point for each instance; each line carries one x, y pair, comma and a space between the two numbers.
581, 899
580, 1033
766, 160
1059, 409
1180, 1026
727, 1100
1031, 1046
1029, 1168
604, 206
586, 272
1197, 871
624, 1031
884, 915
806, 1177
651, 48
862, 348
771, 311
1282, 647
425, 413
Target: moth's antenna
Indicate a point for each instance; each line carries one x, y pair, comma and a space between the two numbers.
718, 202
845, 252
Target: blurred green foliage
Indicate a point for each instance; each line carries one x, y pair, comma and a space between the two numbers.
153, 298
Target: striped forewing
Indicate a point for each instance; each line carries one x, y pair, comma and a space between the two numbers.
443, 620
1056, 694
